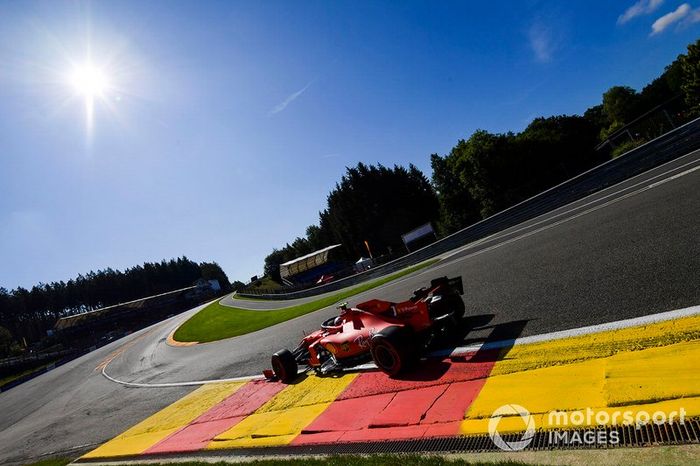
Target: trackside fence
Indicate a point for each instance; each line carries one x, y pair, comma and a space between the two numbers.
665, 148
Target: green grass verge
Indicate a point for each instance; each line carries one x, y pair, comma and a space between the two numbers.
266, 283
51, 462
251, 298
216, 322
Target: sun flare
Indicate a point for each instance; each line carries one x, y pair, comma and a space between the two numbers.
89, 80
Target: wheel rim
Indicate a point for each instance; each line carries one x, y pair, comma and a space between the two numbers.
385, 356
278, 368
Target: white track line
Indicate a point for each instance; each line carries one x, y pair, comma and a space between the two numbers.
576, 332
560, 222
678, 175
244, 378
462, 350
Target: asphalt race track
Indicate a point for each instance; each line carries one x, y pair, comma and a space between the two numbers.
627, 251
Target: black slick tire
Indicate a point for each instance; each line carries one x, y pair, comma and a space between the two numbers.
393, 349
284, 366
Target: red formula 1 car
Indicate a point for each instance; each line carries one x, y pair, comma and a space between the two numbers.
393, 335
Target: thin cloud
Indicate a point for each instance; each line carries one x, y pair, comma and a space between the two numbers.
692, 18
661, 24
642, 7
541, 43
290, 98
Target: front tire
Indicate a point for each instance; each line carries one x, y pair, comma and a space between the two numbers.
393, 350
284, 365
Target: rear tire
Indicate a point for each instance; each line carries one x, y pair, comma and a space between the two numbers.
284, 366
457, 306
393, 349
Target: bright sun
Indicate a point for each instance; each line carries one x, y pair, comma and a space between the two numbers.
90, 81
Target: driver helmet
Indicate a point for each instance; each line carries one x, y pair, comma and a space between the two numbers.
343, 308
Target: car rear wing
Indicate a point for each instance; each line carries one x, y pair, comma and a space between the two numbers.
454, 283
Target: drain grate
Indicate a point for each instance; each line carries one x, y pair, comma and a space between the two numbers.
627, 436
612, 437
600, 437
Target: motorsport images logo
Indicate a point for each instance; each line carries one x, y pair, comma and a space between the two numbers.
512, 410
575, 427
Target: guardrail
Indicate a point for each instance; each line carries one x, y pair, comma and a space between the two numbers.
32, 358
71, 355
669, 146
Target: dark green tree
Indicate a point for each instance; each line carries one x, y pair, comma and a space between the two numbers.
273, 261
485, 166
555, 149
597, 117
690, 64
237, 285
370, 203
377, 204
212, 271
27, 314
621, 104
317, 237
663, 88
490, 172
5, 342
457, 206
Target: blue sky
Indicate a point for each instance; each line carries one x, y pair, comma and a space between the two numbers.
224, 125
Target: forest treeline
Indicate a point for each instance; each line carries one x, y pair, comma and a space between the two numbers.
489, 172
27, 314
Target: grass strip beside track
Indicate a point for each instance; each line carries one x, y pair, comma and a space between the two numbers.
216, 322
265, 283
670, 455
52, 462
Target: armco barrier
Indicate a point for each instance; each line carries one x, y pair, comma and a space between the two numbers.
671, 145
42, 370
